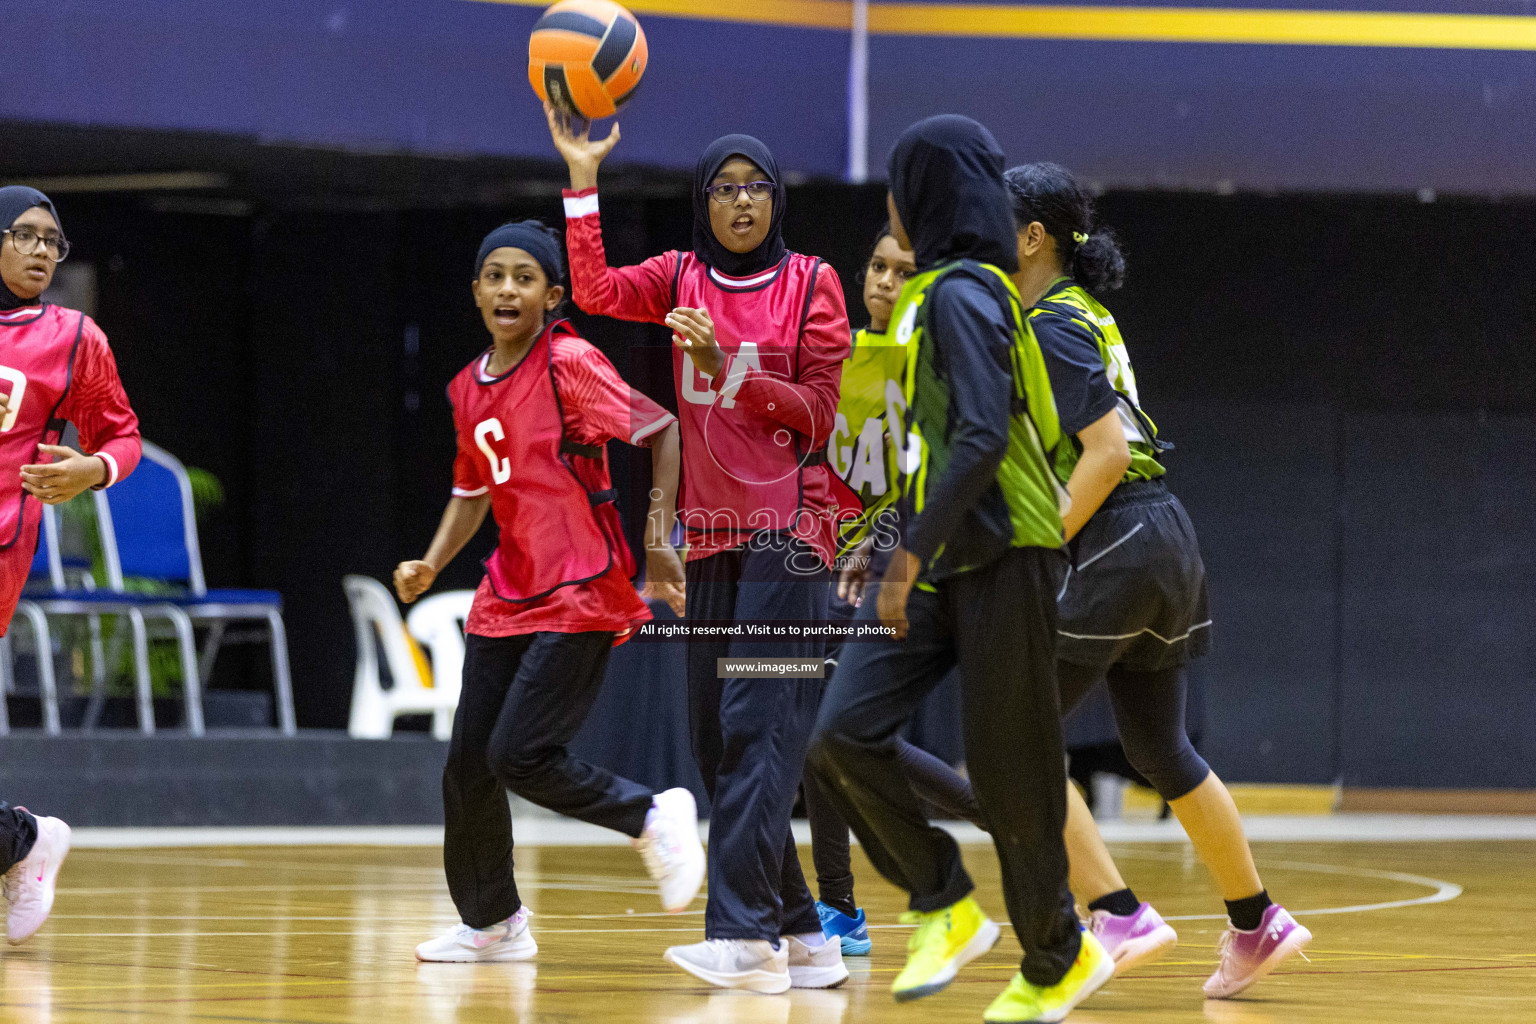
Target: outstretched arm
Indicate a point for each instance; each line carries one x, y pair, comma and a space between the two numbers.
461, 521
663, 569
642, 292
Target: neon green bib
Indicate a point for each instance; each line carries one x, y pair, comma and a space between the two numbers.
1028, 477
871, 412
1088, 313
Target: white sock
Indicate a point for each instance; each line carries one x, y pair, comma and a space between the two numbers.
813, 940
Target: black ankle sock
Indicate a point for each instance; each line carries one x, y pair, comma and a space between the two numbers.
1121, 903
1247, 914
842, 904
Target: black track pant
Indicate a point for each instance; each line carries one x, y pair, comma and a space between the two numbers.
749, 735
524, 698
930, 778
999, 624
18, 831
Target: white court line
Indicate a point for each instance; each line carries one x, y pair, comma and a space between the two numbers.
411, 933
1444, 891
544, 831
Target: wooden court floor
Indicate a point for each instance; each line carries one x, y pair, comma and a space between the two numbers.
291, 935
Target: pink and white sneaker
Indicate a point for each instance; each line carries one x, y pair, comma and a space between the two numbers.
461, 944
1248, 956
670, 847
29, 885
1131, 941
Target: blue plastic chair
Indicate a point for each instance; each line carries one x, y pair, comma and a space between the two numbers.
150, 530
58, 599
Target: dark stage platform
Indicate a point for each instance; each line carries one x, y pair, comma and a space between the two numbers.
227, 778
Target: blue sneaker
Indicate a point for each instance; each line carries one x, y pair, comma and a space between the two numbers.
852, 932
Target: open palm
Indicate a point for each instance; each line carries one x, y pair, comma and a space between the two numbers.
582, 153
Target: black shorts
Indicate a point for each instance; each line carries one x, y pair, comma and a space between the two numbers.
1135, 595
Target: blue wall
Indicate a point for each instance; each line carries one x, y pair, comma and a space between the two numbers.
448, 76
437, 76
1226, 117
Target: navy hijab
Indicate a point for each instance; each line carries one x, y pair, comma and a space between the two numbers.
705, 245
16, 200
946, 176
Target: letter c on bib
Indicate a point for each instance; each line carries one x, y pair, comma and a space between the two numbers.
501, 469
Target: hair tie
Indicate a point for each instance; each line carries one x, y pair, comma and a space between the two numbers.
1079, 237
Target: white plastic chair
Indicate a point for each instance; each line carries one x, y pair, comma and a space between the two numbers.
377, 625
437, 623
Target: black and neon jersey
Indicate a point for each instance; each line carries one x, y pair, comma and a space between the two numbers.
1028, 488
1091, 374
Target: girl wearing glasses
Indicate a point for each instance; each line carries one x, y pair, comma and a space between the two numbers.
55, 367
759, 338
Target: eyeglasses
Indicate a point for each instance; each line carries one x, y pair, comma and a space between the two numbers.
27, 240
726, 192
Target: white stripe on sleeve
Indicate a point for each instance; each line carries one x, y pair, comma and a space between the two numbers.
645, 432
459, 492
577, 207
111, 468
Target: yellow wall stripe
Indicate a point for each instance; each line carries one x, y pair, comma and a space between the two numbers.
1120, 24
1208, 25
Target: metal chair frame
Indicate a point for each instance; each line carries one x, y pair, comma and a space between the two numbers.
38, 607
195, 608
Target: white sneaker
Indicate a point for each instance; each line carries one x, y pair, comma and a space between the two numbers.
752, 964
818, 966
29, 885
671, 849
509, 940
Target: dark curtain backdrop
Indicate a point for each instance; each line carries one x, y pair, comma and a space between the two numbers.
1349, 382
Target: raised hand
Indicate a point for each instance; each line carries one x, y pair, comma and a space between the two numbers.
582, 155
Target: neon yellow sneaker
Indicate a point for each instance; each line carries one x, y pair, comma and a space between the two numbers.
945, 941
1023, 1003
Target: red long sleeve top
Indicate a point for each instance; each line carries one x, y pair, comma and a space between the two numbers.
794, 384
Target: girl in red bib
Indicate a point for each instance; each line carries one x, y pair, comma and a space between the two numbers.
533, 414
759, 336
55, 367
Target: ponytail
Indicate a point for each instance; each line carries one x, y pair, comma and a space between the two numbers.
1048, 193
1098, 264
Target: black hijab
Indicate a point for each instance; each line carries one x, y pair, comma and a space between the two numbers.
946, 176
16, 200
705, 245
